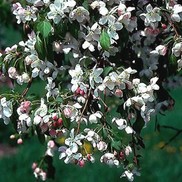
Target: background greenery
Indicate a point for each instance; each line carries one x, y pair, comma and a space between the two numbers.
159, 165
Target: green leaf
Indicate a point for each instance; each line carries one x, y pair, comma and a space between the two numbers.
173, 59
74, 29
50, 168
44, 27
116, 144
107, 70
39, 46
168, 39
173, 65
85, 4
123, 40
104, 133
66, 122
59, 99
41, 136
105, 40
139, 124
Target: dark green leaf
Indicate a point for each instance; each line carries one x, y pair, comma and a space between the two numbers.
41, 136
66, 122
173, 65
104, 132
173, 60
105, 40
59, 99
44, 27
168, 39
123, 40
139, 124
140, 142
74, 29
39, 46
85, 4
107, 70
116, 144
50, 168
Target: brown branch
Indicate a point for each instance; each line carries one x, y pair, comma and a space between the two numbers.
27, 88
135, 160
172, 138
85, 106
169, 127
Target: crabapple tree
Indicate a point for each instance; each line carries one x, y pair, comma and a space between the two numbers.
105, 65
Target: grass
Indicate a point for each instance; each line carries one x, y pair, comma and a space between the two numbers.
159, 165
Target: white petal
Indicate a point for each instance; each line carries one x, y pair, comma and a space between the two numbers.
62, 155
85, 45
103, 11
93, 118
129, 130
77, 105
176, 17
7, 111
37, 120
74, 148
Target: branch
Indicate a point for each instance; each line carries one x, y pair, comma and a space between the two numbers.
171, 139
27, 88
85, 106
178, 132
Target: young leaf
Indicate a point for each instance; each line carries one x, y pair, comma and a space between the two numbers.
105, 40
116, 144
44, 27
85, 4
39, 46
107, 70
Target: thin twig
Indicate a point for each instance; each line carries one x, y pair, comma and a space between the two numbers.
26, 89
171, 139
85, 106
169, 127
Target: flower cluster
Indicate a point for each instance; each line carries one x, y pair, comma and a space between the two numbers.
101, 65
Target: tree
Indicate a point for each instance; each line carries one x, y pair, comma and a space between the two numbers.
104, 63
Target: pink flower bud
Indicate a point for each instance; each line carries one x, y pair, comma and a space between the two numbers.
51, 144
82, 92
67, 112
25, 107
122, 155
78, 90
55, 116
119, 93
19, 141
164, 26
59, 122
34, 165
52, 133
12, 72
37, 170
81, 163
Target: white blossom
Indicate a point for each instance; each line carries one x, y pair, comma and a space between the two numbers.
6, 110
80, 14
